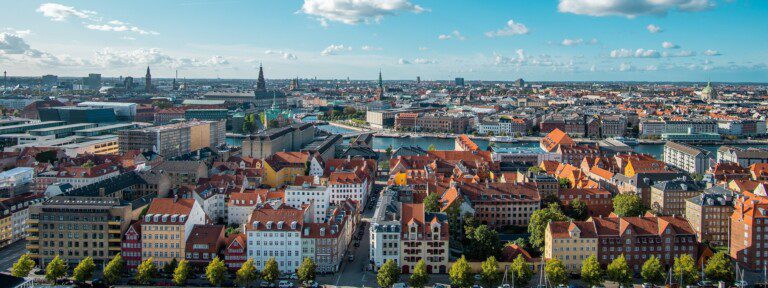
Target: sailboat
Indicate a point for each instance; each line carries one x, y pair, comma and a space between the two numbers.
504, 283
542, 278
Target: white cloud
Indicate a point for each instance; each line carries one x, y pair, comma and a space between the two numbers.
423, 48
12, 44
684, 53
572, 42
216, 60
58, 12
624, 67
511, 29
669, 45
120, 28
651, 68
403, 62
353, 12
639, 53
370, 48
111, 58
710, 52
423, 61
454, 35
631, 8
20, 33
283, 54
653, 28
500, 60
334, 50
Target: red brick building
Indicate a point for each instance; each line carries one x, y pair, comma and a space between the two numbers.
749, 231
204, 244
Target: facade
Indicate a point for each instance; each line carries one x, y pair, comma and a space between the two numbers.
269, 142
744, 157
206, 114
425, 236
166, 227
204, 244
309, 194
131, 246
240, 207
709, 215
182, 172
669, 197
748, 228
686, 157
570, 242
174, 139
14, 213
122, 111
76, 227
385, 228
656, 128
275, 231
501, 204
235, 253
74, 115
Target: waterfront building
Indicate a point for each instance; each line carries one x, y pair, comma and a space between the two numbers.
742, 156
271, 141
554, 139
688, 158
522, 155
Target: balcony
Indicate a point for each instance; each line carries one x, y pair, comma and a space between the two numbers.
114, 222
114, 231
32, 238
114, 240
33, 221
33, 246
33, 230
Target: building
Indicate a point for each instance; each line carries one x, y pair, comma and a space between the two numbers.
131, 246
204, 244
16, 181
275, 232
241, 205
709, 215
570, 242
282, 168
148, 82
92, 82
326, 243
206, 114
425, 236
123, 111
235, 253
501, 204
182, 172
657, 128
688, 158
269, 142
14, 213
166, 227
312, 194
75, 115
708, 93
748, 225
742, 156
75, 227
459, 82
669, 197
384, 231
174, 140
554, 140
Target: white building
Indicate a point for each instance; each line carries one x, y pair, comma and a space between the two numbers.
687, 158
344, 185
213, 201
275, 232
241, 206
385, 230
312, 194
16, 177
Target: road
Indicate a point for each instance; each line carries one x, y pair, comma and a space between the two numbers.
11, 253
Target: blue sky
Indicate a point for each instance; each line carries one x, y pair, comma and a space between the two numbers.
648, 40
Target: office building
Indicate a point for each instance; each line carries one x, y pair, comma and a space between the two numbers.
173, 140
123, 111
269, 142
74, 115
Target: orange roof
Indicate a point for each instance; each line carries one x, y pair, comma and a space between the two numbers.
555, 139
468, 143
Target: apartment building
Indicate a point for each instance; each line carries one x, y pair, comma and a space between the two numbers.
425, 236
275, 232
313, 194
204, 244
749, 231
240, 206
131, 246
709, 215
570, 242
743, 156
326, 242
669, 197
14, 213
501, 204
182, 172
271, 141
172, 140
384, 231
235, 253
166, 227
76, 227
688, 158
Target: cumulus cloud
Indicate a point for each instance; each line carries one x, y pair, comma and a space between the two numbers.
14, 48
669, 45
653, 28
334, 50
58, 12
501, 60
370, 48
120, 28
624, 67
453, 35
639, 53
12, 44
710, 52
577, 41
20, 33
216, 60
403, 62
353, 12
631, 8
511, 29
111, 58
283, 54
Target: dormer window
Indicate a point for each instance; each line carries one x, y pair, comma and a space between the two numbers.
255, 224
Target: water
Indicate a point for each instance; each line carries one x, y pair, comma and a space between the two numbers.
655, 150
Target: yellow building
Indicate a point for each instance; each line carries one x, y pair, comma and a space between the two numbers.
283, 167
166, 226
570, 242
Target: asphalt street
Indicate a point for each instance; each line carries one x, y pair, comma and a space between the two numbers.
11, 253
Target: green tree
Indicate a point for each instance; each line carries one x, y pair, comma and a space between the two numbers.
628, 205
461, 274
146, 271
431, 147
534, 169
420, 277
388, 274
432, 203
591, 273
23, 266
618, 271
719, 268
685, 268
485, 243
556, 273
564, 183
577, 210
216, 271
388, 151
84, 270
247, 273
652, 271
169, 268
56, 269
181, 272
270, 272
491, 276
307, 270
539, 220
114, 269
522, 270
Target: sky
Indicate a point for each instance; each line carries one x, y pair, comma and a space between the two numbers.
538, 40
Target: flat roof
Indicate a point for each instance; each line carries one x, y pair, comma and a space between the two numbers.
95, 103
107, 127
31, 124
62, 127
519, 150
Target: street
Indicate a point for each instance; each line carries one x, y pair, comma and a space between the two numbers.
11, 253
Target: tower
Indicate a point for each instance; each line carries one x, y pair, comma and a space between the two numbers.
380, 90
175, 87
261, 85
148, 83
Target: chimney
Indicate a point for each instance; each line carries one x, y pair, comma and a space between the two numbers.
102, 192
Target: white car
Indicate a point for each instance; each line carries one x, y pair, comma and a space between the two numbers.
285, 284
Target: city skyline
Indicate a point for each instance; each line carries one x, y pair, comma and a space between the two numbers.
565, 40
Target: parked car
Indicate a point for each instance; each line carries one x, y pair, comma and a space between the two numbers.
399, 285
351, 258
285, 284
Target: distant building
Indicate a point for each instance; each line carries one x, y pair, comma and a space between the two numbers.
708, 93
73, 115
49, 80
173, 140
688, 158
459, 82
266, 143
744, 157
92, 82
669, 197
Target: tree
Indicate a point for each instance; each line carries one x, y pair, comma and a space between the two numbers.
555, 272
628, 205
146, 271
521, 269
685, 268
652, 271
618, 271
84, 270
216, 271
719, 268
432, 203
182, 272
388, 274
577, 210
564, 183
46, 156
431, 147
491, 276
270, 272
247, 273
170, 267
114, 269
539, 221
591, 273
56, 269
419, 278
485, 243
534, 169
307, 270
461, 274
23, 266
388, 151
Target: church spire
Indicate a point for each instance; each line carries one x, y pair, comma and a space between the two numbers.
381, 82
148, 81
261, 85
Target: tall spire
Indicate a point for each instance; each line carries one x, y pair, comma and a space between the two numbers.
261, 85
381, 82
148, 83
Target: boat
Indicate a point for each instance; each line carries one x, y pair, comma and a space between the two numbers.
503, 139
627, 140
